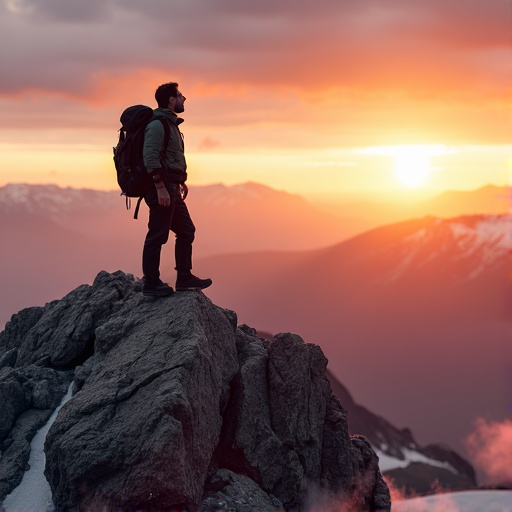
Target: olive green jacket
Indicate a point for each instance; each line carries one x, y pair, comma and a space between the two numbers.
174, 166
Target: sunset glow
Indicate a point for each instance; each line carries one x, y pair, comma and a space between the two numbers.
264, 102
349, 169
412, 165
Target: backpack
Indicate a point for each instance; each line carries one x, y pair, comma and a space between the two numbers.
132, 175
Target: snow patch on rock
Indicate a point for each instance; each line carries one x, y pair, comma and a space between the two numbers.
34, 493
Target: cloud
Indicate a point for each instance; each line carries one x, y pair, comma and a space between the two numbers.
57, 44
405, 69
58, 10
490, 448
208, 143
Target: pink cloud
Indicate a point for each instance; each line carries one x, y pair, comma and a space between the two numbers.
208, 143
490, 448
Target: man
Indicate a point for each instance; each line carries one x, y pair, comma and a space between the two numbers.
165, 198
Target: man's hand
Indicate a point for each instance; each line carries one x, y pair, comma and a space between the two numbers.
183, 191
164, 199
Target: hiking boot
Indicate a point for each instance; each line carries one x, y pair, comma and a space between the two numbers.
156, 289
188, 281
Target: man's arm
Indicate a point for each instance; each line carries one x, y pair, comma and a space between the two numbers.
153, 142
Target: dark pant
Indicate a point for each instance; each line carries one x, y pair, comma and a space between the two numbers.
162, 219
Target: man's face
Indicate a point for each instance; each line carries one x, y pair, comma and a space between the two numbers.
176, 104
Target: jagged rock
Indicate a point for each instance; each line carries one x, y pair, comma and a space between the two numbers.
370, 490
337, 463
226, 490
15, 449
16, 329
174, 405
148, 417
63, 335
277, 420
8, 359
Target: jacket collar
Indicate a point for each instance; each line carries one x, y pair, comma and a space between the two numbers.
169, 115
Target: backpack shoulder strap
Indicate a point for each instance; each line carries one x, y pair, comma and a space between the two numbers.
167, 136
137, 207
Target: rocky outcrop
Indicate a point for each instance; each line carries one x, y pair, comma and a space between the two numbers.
174, 405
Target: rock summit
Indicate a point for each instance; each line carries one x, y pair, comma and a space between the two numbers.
175, 406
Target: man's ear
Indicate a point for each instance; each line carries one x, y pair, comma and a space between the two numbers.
172, 102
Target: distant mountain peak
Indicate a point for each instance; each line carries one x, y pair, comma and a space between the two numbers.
233, 195
479, 240
52, 198
490, 230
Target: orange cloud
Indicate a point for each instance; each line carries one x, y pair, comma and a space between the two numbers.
422, 70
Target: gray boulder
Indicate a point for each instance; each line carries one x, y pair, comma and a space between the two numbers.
175, 406
275, 426
61, 335
285, 429
148, 414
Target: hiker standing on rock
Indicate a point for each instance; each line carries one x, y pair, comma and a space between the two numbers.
166, 199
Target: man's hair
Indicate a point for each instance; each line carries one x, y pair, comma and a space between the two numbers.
164, 92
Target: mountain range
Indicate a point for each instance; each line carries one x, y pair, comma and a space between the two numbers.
423, 305
54, 239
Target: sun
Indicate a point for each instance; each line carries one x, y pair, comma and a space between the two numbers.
411, 168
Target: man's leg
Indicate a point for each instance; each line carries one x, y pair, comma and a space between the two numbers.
183, 227
157, 235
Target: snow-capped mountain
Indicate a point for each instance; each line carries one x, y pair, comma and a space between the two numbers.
51, 199
229, 219
238, 195
476, 243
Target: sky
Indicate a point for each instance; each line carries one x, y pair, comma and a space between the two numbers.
320, 97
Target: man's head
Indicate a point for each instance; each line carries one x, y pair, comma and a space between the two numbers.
168, 96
